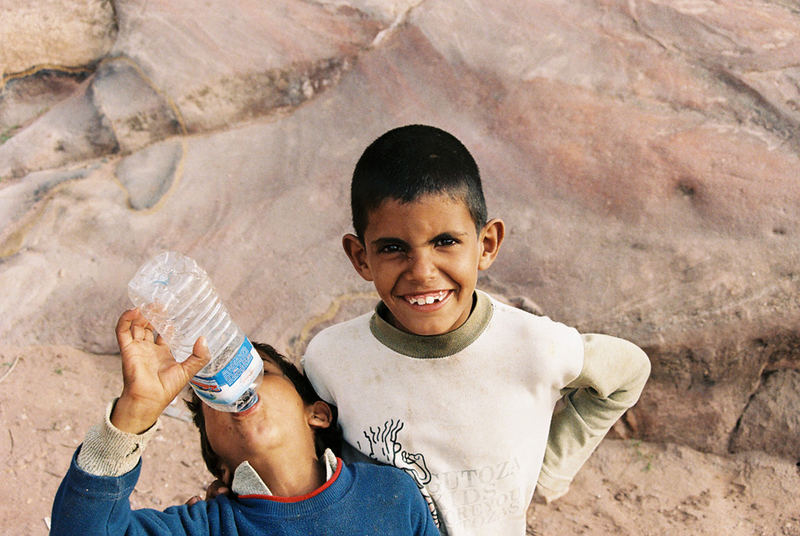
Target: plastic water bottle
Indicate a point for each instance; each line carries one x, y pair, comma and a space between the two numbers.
178, 298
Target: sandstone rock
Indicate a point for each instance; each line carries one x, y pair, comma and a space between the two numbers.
137, 113
690, 55
771, 421
18, 200
245, 62
395, 11
115, 110
266, 65
54, 33
149, 174
71, 131
24, 99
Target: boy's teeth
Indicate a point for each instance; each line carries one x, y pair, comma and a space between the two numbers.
427, 300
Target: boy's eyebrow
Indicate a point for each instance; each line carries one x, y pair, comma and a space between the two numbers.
273, 363
269, 361
449, 234
386, 240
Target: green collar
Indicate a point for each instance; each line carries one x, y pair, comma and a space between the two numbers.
433, 346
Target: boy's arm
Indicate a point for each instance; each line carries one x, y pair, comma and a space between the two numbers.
151, 380
613, 376
425, 525
94, 493
108, 451
100, 506
92, 504
94, 497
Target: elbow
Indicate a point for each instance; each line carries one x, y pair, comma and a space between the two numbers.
643, 364
639, 370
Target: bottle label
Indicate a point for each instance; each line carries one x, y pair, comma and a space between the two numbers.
232, 380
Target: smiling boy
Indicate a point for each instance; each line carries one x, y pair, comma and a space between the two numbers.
443, 381
284, 481
423, 258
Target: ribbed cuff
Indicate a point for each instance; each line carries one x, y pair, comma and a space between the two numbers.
551, 487
108, 451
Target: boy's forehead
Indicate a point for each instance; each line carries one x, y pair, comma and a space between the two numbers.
455, 195
398, 207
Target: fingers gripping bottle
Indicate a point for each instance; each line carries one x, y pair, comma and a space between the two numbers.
178, 298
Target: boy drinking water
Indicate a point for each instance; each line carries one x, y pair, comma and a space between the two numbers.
443, 381
284, 482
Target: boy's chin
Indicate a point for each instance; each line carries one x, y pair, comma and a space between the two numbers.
425, 327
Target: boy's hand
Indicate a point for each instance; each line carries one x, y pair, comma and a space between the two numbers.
151, 376
218, 487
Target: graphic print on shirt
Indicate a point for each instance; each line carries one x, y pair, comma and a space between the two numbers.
384, 446
478, 496
481, 496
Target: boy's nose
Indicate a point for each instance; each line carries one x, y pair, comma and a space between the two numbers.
421, 266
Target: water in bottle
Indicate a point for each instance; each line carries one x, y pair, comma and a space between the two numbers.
178, 298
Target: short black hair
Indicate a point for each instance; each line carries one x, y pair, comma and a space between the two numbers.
330, 437
408, 162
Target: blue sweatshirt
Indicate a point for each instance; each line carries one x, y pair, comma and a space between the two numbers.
360, 499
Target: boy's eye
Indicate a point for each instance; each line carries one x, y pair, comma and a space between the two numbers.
271, 368
390, 248
446, 241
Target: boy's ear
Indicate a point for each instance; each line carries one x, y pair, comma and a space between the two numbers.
490, 239
357, 254
319, 415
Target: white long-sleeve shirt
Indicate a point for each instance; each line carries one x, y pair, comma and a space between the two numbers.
468, 414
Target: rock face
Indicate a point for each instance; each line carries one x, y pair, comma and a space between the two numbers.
63, 34
644, 155
771, 421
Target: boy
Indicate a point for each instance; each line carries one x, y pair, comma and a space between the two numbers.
266, 455
443, 381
